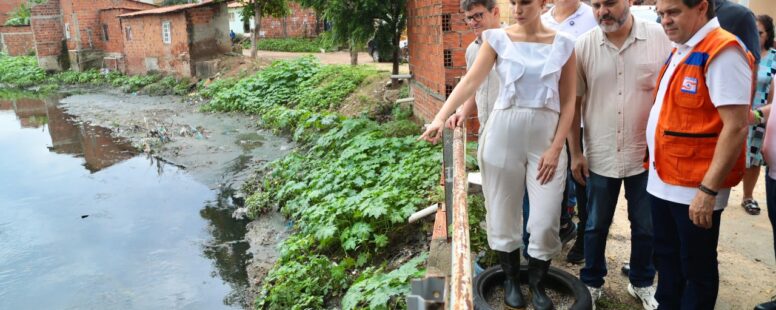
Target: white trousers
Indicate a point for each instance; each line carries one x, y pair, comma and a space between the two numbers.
513, 141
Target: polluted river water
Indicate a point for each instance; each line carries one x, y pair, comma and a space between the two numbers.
89, 222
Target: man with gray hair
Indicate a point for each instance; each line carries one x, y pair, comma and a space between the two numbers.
617, 68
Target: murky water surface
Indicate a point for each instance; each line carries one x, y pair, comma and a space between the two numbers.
87, 223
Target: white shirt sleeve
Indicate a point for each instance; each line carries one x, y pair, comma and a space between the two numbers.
729, 78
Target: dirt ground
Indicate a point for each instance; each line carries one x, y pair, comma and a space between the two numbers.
746, 260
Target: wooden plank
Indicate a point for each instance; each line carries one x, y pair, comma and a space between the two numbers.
440, 224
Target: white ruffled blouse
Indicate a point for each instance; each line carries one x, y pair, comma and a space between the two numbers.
529, 72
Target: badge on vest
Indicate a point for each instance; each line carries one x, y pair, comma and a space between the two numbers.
690, 85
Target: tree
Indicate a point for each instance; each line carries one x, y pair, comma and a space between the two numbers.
351, 22
392, 14
259, 9
354, 22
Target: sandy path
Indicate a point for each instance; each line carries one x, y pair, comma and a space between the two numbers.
746, 259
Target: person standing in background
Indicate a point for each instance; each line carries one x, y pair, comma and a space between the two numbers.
763, 97
768, 64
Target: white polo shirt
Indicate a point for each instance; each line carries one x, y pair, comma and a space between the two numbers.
577, 24
729, 80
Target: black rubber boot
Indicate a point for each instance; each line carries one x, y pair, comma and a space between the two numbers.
510, 263
537, 272
576, 254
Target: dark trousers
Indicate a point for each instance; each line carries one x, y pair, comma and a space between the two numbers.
770, 194
603, 192
685, 257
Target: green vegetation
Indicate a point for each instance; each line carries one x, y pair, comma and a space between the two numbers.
24, 72
298, 45
20, 16
21, 71
153, 84
348, 190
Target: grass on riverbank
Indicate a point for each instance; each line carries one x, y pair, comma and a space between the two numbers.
348, 190
298, 45
23, 72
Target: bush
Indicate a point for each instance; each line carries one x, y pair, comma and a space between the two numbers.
269, 87
375, 289
298, 45
20, 71
20, 16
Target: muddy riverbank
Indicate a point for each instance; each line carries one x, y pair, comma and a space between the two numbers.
221, 150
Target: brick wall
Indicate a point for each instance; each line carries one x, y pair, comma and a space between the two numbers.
46, 23
85, 24
109, 21
301, 22
209, 31
6, 7
438, 39
146, 51
16, 40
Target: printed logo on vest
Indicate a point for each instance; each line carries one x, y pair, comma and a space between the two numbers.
690, 85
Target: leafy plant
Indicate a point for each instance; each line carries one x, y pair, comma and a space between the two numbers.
375, 289
20, 16
20, 71
328, 88
298, 45
303, 283
269, 87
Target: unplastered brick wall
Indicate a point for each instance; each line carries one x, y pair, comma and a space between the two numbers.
82, 18
16, 40
8, 6
46, 23
146, 51
438, 38
110, 33
301, 22
209, 31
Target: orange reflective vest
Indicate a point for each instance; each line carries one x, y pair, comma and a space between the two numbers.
689, 125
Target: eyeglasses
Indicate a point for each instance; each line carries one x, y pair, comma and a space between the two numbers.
474, 17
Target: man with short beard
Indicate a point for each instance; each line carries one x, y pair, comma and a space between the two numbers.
617, 66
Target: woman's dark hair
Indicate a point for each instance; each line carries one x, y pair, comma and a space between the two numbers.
767, 23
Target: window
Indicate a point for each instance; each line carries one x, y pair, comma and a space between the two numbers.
105, 32
446, 22
67, 31
128, 33
448, 58
166, 37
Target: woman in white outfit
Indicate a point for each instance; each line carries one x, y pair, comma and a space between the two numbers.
523, 140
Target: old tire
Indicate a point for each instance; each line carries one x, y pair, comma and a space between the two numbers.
556, 279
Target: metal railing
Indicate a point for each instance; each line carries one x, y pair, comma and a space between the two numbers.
453, 288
